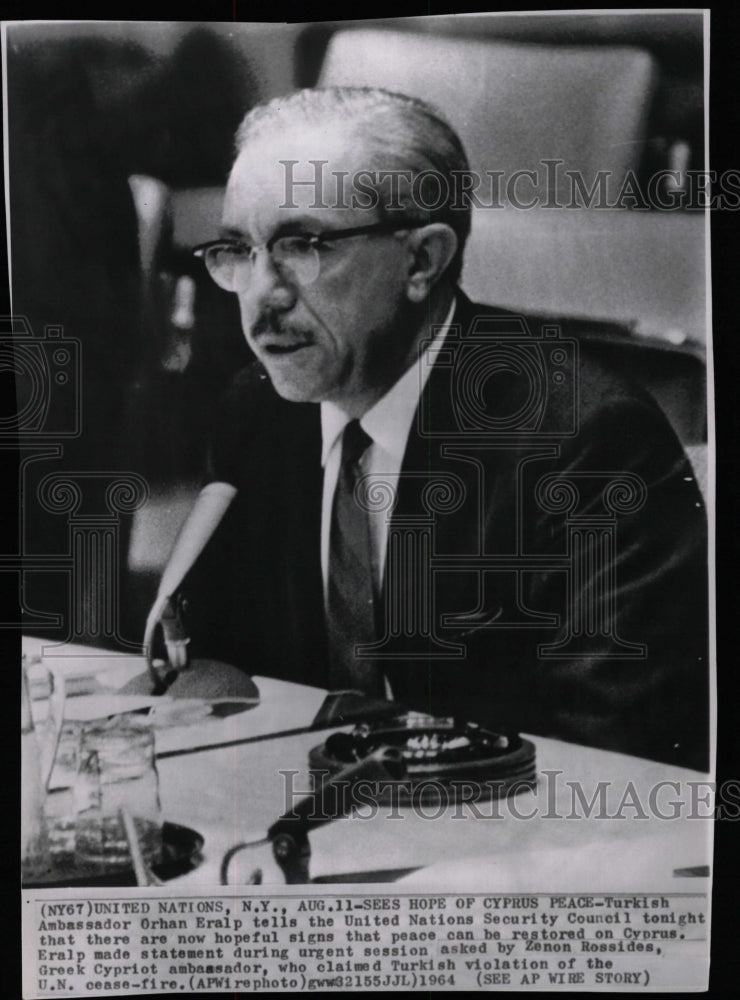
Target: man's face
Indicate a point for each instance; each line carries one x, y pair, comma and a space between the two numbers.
345, 337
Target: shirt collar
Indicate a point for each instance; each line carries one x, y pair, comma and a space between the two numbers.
389, 420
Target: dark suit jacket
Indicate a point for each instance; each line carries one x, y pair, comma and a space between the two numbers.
588, 622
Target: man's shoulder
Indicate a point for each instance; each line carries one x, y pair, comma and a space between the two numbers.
567, 351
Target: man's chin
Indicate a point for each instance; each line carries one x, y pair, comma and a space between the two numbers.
294, 390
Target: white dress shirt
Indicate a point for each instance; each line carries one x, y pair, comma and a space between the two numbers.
388, 424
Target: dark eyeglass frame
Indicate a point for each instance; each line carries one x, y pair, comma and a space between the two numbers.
314, 240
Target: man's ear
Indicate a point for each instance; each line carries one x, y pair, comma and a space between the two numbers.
432, 248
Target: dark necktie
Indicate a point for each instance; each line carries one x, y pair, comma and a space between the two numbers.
350, 599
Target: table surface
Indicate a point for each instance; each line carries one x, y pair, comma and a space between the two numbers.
230, 779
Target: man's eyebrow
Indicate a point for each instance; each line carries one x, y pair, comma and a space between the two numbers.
298, 224
229, 233
232, 232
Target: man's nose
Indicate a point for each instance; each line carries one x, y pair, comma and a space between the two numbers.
268, 285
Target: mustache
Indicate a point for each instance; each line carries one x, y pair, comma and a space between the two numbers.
271, 323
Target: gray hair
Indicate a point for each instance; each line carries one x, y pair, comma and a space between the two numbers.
398, 133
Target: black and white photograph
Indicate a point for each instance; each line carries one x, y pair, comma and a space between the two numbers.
363, 383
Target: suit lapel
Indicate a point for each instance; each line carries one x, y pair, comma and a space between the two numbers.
434, 432
424, 521
451, 489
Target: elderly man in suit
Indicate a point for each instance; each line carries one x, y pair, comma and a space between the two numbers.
423, 498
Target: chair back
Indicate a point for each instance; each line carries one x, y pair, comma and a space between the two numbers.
514, 105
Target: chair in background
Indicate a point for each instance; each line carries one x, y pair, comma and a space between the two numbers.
513, 105
646, 270
635, 281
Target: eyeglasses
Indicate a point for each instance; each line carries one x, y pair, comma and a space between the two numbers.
231, 262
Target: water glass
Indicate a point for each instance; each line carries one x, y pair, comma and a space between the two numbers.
117, 774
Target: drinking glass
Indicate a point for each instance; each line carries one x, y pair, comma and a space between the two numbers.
117, 775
